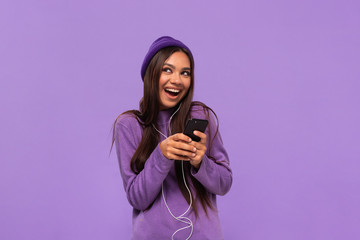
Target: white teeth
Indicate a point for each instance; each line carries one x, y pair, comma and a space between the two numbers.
173, 90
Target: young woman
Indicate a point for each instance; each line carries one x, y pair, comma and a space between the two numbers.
171, 181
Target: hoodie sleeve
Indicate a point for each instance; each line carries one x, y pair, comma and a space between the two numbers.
214, 173
142, 188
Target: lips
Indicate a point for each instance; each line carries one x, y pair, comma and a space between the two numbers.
172, 92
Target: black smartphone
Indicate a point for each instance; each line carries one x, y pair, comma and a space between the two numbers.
195, 124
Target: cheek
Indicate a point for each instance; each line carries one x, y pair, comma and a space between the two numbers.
161, 83
161, 80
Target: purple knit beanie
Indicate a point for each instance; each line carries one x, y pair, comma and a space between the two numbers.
158, 44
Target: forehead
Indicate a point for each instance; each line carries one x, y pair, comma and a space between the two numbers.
178, 59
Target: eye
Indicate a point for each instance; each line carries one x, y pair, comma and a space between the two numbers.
167, 70
186, 73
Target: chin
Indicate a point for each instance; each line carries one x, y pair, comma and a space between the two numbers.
167, 106
166, 103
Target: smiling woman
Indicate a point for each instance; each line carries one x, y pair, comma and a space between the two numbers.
170, 180
175, 80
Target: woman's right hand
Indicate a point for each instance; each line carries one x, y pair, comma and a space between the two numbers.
177, 147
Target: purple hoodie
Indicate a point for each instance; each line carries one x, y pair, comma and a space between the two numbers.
144, 188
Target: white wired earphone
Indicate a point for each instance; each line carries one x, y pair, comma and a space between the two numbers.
181, 217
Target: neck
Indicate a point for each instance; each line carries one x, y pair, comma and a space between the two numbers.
166, 115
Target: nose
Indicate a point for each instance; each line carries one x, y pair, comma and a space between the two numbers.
176, 78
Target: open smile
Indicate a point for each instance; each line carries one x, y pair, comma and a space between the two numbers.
172, 93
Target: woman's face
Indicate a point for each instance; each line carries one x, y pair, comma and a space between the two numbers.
175, 80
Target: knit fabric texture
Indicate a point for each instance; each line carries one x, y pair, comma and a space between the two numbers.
157, 45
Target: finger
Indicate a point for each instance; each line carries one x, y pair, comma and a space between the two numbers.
200, 146
181, 137
199, 154
183, 153
197, 145
178, 157
183, 146
200, 135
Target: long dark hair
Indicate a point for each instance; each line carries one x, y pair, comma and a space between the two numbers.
147, 116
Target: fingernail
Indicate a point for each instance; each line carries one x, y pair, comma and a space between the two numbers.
193, 154
194, 150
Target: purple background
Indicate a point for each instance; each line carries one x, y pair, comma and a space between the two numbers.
283, 77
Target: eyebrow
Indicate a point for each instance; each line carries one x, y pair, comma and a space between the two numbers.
172, 66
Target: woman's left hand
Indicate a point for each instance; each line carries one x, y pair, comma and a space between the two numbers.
200, 149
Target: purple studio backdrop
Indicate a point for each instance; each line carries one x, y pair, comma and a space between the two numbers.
283, 77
